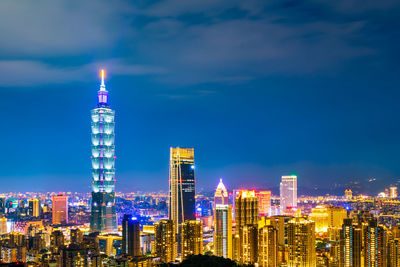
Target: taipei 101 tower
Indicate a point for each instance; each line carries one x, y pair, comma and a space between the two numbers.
103, 218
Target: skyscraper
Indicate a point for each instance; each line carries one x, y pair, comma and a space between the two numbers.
34, 207
165, 245
350, 244
60, 209
246, 205
301, 243
223, 231
181, 185
130, 236
192, 238
103, 215
288, 192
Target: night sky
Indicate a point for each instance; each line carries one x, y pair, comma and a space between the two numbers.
260, 89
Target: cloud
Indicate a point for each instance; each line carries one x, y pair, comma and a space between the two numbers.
49, 28
29, 73
191, 41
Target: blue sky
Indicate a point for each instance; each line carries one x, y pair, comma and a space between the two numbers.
260, 89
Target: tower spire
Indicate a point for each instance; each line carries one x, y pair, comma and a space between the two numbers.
102, 93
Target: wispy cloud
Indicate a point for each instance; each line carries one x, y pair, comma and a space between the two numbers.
29, 73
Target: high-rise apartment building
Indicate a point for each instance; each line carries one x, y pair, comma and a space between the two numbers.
394, 252
249, 244
288, 192
181, 185
350, 244
60, 209
130, 236
246, 205
221, 194
375, 245
264, 203
223, 230
301, 243
165, 245
103, 215
34, 207
268, 246
192, 238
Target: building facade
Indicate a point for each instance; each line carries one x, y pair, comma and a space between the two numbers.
103, 215
350, 244
301, 243
223, 231
268, 246
130, 236
192, 238
181, 186
165, 245
60, 209
288, 192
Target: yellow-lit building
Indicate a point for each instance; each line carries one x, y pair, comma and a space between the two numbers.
393, 192
394, 252
249, 244
192, 238
165, 246
301, 243
319, 215
223, 231
246, 205
268, 246
246, 214
108, 243
34, 207
3, 225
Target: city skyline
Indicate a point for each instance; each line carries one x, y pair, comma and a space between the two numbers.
317, 98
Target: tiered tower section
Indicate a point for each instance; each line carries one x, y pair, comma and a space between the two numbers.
103, 215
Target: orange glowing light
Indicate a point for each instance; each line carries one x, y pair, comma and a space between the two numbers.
102, 73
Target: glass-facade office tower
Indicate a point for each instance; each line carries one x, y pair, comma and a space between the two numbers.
288, 192
103, 217
130, 236
181, 185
